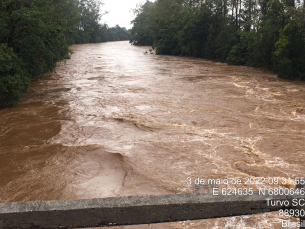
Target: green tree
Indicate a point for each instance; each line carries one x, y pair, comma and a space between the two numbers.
141, 31
12, 81
35, 35
289, 57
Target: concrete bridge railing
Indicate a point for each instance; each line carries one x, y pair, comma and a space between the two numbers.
134, 210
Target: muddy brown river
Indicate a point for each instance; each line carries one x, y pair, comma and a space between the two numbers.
113, 121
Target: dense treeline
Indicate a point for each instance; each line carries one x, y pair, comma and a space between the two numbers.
263, 33
35, 34
118, 33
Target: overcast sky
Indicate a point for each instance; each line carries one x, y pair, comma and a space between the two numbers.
119, 12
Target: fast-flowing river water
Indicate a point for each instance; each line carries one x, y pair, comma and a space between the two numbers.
114, 121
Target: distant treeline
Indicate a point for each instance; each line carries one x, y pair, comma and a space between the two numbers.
260, 33
35, 34
118, 33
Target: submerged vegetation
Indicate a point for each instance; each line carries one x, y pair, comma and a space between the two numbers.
264, 33
35, 34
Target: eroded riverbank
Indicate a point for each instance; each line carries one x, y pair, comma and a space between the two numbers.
112, 121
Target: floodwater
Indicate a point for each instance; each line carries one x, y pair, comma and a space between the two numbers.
113, 121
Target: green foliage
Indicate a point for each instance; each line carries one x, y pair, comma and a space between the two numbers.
267, 33
141, 31
34, 35
12, 81
177, 27
118, 33
165, 23
237, 55
289, 57
256, 47
241, 53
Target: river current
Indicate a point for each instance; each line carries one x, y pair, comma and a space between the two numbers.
115, 121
